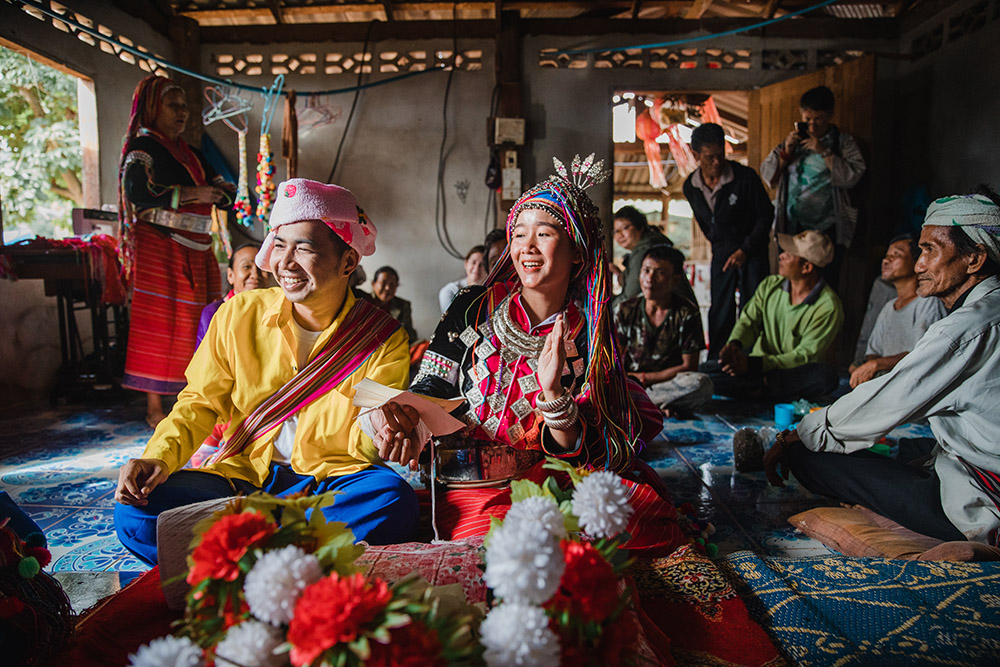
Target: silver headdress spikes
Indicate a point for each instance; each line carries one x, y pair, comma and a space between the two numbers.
583, 173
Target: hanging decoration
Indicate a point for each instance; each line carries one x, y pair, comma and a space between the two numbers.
244, 211
265, 157
647, 129
265, 178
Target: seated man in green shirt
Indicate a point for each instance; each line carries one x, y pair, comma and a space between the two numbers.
776, 349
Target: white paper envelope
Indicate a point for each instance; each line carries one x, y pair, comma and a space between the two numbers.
434, 411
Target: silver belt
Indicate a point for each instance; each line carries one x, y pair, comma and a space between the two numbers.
189, 222
460, 461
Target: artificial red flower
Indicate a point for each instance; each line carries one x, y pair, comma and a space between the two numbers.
335, 609
231, 617
225, 543
413, 645
588, 588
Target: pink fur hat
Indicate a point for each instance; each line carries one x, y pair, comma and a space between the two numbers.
301, 199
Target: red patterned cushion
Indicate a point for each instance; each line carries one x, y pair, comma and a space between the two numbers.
440, 564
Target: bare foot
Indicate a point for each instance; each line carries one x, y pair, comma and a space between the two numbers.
154, 410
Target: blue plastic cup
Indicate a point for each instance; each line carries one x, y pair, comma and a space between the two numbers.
784, 415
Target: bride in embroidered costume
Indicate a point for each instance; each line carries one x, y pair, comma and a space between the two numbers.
533, 353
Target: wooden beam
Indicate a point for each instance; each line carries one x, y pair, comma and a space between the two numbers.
346, 32
387, 8
769, 9
698, 9
609, 32
145, 10
636, 6
276, 12
808, 27
900, 7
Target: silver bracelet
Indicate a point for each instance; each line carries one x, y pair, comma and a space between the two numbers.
561, 425
563, 421
555, 405
561, 414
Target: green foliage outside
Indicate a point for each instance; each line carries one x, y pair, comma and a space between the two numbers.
40, 154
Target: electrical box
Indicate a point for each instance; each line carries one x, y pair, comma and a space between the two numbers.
508, 131
510, 188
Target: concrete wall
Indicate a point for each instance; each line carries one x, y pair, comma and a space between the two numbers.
390, 161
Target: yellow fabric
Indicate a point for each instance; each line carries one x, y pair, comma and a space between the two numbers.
246, 356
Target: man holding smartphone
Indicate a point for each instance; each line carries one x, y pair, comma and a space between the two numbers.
813, 170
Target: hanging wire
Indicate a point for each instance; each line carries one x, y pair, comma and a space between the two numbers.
440, 203
689, 40
491, 200
196, 75
354, 103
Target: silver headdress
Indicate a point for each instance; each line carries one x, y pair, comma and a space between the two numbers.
583, 173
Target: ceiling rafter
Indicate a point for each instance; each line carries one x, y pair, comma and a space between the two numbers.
276, 11
698, 9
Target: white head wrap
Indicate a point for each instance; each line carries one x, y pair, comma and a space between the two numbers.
978, 216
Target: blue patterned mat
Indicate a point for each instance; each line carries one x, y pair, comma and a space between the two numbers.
834, 610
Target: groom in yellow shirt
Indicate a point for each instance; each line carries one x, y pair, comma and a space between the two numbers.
279, 367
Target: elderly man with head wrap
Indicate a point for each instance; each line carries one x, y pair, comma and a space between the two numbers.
279, 367
951, 379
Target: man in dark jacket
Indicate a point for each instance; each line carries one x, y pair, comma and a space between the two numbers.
734, 212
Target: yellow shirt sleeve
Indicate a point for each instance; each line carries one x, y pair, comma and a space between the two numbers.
204, 401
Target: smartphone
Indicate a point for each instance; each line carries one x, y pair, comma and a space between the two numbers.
802, 128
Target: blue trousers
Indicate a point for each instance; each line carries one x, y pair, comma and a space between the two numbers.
377, 504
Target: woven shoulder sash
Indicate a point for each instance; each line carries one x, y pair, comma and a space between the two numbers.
364, 330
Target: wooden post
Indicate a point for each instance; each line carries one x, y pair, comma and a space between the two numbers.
185, 36
508, 73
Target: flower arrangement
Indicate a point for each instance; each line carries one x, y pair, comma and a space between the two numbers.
273, 583
554, 562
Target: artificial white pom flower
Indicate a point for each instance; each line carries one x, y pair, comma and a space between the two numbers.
518, 634
276, 581
250, 644
523, 562
168, 651
538, 509
601, 503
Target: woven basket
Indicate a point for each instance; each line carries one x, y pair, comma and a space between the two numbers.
174, 531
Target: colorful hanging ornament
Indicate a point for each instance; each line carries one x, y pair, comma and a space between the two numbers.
265, 179
244, 211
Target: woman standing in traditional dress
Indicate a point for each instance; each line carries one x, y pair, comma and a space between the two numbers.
533, 353
166, 193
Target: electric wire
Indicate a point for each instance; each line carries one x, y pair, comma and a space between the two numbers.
440, 203
689, 40
163, 62
354, 102
491, 200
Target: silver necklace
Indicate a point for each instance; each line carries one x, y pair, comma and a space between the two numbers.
512, 336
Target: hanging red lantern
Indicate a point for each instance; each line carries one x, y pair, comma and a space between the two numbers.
647, 129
